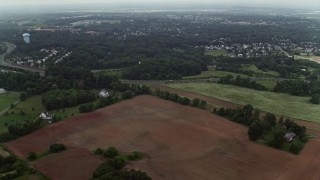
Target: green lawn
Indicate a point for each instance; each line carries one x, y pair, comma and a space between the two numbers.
258, 72
8, 98
277, 103
26, 106
216, 53
66, 112
213, 73
267, 83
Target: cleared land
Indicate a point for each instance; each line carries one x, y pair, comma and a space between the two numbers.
270, 84
312, 58
213, 73
217, 53
8, 98
179, 142
32, 107
258, 72
70, 164
277, 103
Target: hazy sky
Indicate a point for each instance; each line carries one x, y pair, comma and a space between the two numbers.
282, 3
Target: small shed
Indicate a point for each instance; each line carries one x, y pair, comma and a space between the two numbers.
289, 136
46, 116
2, 91
104, 93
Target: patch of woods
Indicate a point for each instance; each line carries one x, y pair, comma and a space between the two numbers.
54, 148
57, 99
21, 129
280, 133
298, 87
114, 167
11, 167
57, 78
164, 70
286, 67
119, 92
242, 82
179, 99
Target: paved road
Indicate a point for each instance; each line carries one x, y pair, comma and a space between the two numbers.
11, 47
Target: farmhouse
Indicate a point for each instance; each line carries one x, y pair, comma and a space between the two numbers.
289, 136
2, 91
46, 116
104, 93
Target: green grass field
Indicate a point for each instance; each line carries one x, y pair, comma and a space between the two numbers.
33, 107
66, 112
277, 103
258, 72
213, 73
216, 53
8, 98
267, 83
26, 106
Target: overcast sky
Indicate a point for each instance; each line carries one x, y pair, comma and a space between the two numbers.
275, 3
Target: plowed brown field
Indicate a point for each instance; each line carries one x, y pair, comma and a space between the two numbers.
179, 142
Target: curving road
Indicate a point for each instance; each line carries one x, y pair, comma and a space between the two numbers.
11, 47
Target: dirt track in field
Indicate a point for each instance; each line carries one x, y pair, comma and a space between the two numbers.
179, 142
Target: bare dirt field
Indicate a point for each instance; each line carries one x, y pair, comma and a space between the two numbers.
312, 127
70, 164
179, 142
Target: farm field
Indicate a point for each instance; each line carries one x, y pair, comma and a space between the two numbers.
258, 72
313, 58
32, 108
8, 98
213, 73
215, 53
179, 142
277, 103
270, 84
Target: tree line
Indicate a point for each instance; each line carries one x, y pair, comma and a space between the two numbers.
242, 82
267, 130
113, 168
58, 99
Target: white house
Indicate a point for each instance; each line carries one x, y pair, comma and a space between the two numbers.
2, 91
46, 116
104, 93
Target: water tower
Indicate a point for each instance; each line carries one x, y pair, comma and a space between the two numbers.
26, 38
